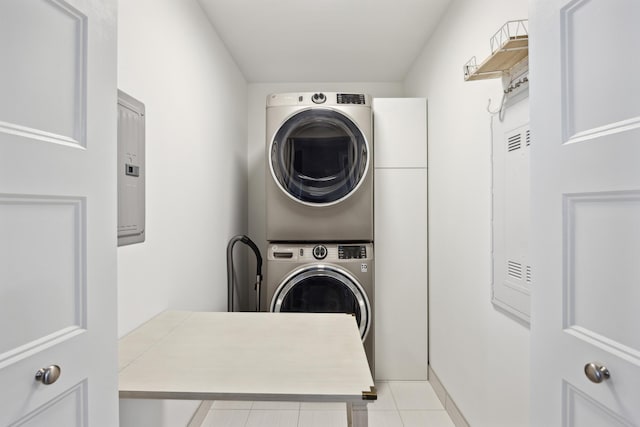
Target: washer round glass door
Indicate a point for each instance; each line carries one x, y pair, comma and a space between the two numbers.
319, 156
323, 289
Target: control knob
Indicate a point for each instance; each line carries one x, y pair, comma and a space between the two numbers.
320, 252
319, 98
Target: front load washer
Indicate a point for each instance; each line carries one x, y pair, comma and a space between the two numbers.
323, 278
319, 184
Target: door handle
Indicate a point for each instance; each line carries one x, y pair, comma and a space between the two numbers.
596, 373
48, 375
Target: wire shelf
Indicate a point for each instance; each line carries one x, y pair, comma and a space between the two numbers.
509, 46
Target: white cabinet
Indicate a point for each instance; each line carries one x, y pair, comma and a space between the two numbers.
400, 132
400, 213
401, 274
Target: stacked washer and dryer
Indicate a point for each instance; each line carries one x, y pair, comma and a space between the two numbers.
319, 206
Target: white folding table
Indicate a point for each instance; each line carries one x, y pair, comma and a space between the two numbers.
311, 357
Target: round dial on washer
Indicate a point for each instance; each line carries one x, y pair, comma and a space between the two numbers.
319, 98
320, 252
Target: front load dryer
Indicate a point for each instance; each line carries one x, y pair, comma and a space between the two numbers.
319, 184
323, 278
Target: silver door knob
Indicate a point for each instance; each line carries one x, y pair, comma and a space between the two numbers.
48, 375
596, 373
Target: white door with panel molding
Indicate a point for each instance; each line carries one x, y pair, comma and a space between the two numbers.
58, 213
585, 177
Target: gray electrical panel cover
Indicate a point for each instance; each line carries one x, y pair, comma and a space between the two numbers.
131, 170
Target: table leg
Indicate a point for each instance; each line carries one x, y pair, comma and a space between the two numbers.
357, 415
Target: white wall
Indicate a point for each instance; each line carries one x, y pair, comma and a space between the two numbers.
171, 58
257, 138
480, 354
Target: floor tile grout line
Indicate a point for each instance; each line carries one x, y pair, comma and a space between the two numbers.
246, 420
395, 403
399, 413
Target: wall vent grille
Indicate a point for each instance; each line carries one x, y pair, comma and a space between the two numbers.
514, 269
514, 142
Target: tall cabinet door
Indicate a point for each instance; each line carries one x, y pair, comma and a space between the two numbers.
400, 213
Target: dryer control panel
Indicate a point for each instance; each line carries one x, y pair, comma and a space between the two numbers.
351, 98
352, 252
319, 99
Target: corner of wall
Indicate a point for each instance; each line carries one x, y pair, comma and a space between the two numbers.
464, 328
446, 400
171, 58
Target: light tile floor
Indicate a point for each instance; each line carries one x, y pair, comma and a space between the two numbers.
399, 404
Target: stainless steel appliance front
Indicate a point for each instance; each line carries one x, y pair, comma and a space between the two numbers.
319, 184
323, 278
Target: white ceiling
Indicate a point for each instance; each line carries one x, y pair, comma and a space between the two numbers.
324, 40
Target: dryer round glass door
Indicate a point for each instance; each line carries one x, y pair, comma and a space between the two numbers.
323, 289
319, 156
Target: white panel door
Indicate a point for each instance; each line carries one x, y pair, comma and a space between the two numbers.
58, 212
401, 274
400, 132
585, 177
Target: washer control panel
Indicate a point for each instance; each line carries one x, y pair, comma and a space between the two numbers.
325, 252
352, 252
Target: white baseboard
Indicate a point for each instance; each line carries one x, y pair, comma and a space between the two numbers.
446, 400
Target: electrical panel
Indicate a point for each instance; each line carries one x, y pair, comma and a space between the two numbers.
131, 170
